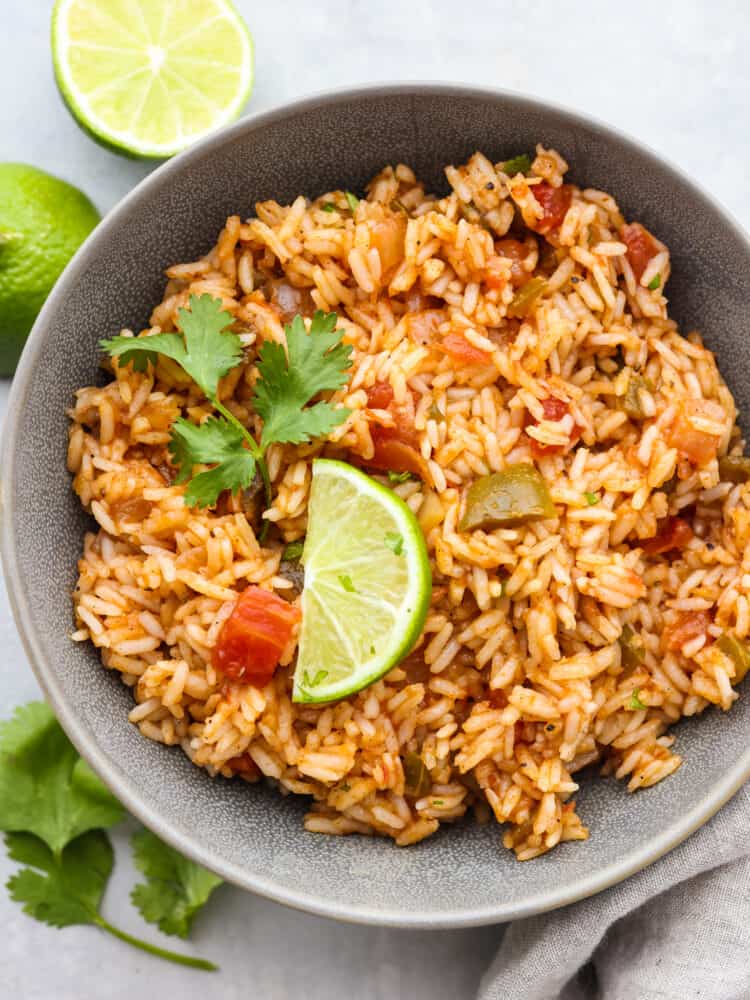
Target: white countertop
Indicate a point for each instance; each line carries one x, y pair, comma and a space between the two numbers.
674, 75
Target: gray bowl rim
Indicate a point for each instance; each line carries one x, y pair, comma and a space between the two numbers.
709, 802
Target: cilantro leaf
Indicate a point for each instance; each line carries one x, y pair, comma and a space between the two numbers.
592, 499
314, 362
399, 477
395, 542
65, 892
634, 702
208, 351
45, 788
293, 551
213, 441
517, 165
142, 351
175, 888
654, 283
352, 201
68, 890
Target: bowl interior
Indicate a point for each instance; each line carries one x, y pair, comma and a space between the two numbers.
252, 835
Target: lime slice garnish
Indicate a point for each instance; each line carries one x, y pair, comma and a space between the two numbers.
148, 77
367, 584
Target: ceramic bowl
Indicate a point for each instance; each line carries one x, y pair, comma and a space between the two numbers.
251, 835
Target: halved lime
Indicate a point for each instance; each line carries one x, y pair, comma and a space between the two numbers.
148, 77
367, 584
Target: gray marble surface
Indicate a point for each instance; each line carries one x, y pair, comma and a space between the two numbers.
673, 74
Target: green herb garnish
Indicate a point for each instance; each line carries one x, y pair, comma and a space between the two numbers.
517, 165
399, 477
329, 207
654, 283
634, 703
395, 542
352, 201
346, 582
288, 380
175, 888
293, 551
54, 811
592, 499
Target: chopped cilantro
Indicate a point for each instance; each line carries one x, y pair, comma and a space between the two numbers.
395, 541
329, 207
654, 283
517, 165
438, 802
293, 551
592, 499
399, 477
352, 201
634, 702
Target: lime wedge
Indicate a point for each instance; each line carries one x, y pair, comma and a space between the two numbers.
367, 584
148, 77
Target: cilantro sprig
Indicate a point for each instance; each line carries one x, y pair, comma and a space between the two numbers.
288, 380
54, 812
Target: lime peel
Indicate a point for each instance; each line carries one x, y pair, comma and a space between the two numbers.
354, 634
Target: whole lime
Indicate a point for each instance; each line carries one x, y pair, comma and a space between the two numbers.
43, 221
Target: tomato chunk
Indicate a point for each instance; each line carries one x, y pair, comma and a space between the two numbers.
688, 625
252, 638
554, 409
380, 396
641, 247
555, 201
387, 236
395, 448
459, 348
696, 445
244, 764
673, 533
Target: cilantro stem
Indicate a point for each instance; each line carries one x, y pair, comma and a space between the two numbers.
258, 454
152, 949
254, 446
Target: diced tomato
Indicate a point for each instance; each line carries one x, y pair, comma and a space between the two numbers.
688, 625
252, 638
459, 348
641, 247
387, 236
554, 409
516, 252
672, 533
555, 201
380, 396
497, 698
394, 455
394, 447
695, 445
244, 765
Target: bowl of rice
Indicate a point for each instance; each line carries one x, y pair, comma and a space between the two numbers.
544, 326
